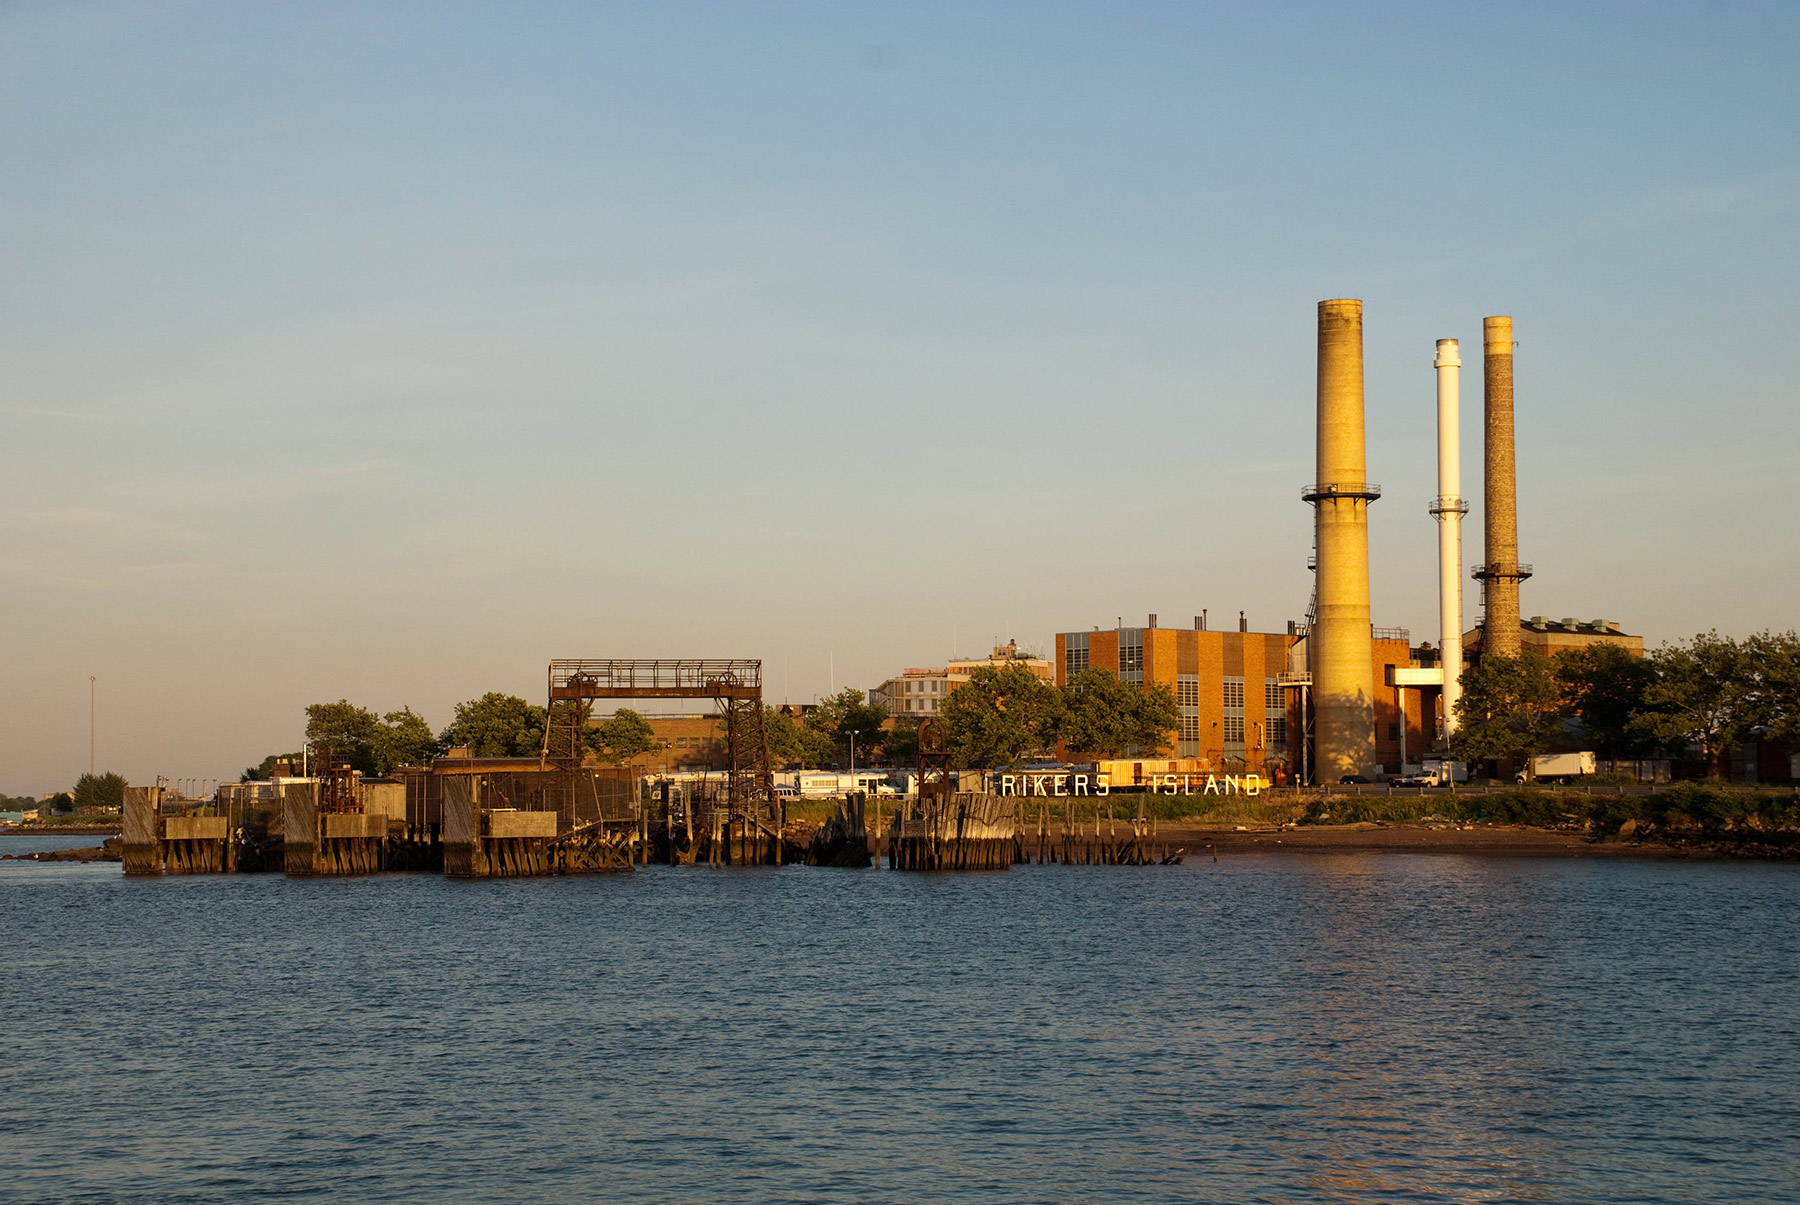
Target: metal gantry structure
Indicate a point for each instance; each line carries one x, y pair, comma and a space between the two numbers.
735, 686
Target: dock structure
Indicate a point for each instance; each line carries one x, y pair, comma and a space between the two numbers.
516, 817
326, 830
165, 834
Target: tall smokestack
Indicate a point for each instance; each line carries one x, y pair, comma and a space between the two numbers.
1501, 575
1449, 509
1341, 645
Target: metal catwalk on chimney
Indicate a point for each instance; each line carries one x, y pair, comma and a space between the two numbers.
1340, 644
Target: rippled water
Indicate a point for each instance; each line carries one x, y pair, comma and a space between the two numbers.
1279, 1028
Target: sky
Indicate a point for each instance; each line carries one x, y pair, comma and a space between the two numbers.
387, 352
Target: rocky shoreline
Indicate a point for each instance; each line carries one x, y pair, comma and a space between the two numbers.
112, 850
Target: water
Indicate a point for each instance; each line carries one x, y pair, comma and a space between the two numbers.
1267, 1028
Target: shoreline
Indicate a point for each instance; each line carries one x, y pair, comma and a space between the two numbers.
1492, 840
60, 830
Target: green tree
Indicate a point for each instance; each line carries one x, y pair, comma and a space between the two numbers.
1000, 715
1604, 687
496, 725
62, 801
843, 716
623, 735
1776, 658
405, 739
793, 744
352, 733
900, 744
1510, 706
1106, 717
1706, 693
100, 791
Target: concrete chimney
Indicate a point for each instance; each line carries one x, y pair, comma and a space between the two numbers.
1341, 644
1501, 574
1449, 508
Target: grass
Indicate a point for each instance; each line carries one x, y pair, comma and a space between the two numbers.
1687, 807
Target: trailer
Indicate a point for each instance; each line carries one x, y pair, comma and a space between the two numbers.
1561, 767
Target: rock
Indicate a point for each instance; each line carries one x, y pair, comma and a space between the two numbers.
1628, 828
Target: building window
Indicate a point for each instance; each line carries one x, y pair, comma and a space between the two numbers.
1131, 655
1232, 733
1277, 732
1393, 732
1075, 652
1272, 696
1187, 700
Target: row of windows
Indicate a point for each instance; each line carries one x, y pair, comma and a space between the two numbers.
1234, 694
1076, 659
1131, 655
924, 686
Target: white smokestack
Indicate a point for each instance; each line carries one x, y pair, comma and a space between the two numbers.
1449, 509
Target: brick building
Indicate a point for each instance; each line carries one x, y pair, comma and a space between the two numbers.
1240, 693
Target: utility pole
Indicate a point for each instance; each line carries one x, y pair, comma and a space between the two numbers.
92, 689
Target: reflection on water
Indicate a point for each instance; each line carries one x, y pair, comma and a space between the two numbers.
1346, 1028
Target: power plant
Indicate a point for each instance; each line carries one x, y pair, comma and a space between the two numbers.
1340, 644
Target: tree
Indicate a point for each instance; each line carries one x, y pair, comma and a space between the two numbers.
1107, 717
900, 744
1510, 706
62, 801
265, 770
623, 735
496, 725
1705, 694
1776, 657
352, 733
1603, 686
843, 716
1001, 714
792, 743
100, 791
405, 739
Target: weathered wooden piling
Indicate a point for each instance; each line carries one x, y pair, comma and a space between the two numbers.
962, 831
843, 840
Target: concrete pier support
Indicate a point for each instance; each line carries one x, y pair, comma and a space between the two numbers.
1341, 644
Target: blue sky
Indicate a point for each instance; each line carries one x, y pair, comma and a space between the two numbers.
389, 351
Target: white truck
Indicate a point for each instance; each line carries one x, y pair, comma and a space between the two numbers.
1434, 772
1560, 767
